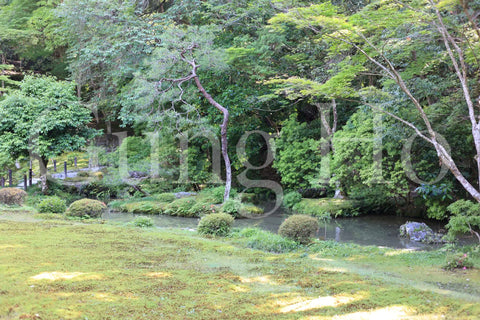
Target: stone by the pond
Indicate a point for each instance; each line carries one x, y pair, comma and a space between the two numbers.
420, 232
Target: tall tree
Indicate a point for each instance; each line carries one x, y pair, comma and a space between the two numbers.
372, 36
43, 119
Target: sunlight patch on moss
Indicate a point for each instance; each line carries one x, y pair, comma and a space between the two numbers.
54, 276
388, 313
320, 302
11, 246
159, 274
261, 279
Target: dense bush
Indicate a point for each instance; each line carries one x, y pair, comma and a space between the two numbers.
12, 196
52, 205
300, 228
143, 222
86, 208
457, 261
100, 191
218, 224
182, 207
291, 199
266, 241
465, 218
326, 207
231, 206
144, 207
215, 195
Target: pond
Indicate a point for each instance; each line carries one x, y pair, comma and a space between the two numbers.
363, 230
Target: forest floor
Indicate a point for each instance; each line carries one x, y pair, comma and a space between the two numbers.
58, 269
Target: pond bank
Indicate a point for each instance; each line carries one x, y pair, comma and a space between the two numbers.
363, 230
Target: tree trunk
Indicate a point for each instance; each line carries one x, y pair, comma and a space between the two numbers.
224, 140
43, 174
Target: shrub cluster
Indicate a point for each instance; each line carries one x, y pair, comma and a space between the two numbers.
300, 228
12, 196
52, 205
218, 224
86, 208
143, 222
457, 261
263, 240
144, 207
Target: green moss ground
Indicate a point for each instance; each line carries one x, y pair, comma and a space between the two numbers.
57, 269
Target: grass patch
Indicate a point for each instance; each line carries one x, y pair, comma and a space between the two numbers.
69, 270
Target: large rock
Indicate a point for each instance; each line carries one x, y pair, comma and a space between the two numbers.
419, 232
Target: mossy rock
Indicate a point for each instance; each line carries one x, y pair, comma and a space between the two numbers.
86, 208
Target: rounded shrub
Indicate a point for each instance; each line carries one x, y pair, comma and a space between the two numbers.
291, 199
86, 208
218, 224
300, 228
52, 205
12, 196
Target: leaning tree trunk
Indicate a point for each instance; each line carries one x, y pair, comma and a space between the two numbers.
224, 140
43, 174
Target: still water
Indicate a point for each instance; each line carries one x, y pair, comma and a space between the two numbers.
365, 230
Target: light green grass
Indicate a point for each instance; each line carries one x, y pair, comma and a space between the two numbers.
69, 270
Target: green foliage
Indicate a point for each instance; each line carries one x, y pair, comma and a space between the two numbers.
300, 228
182, 208
12, 196
52, 205
144, 207
165, 197
217, 224
102, 190
457, 261
215, 195
143, 222
298, 153
232, 207
324, 208
86, 208
43, 117
250, 210
266, 241
465, 218
291, 199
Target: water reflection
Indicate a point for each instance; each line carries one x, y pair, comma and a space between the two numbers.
365, 230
